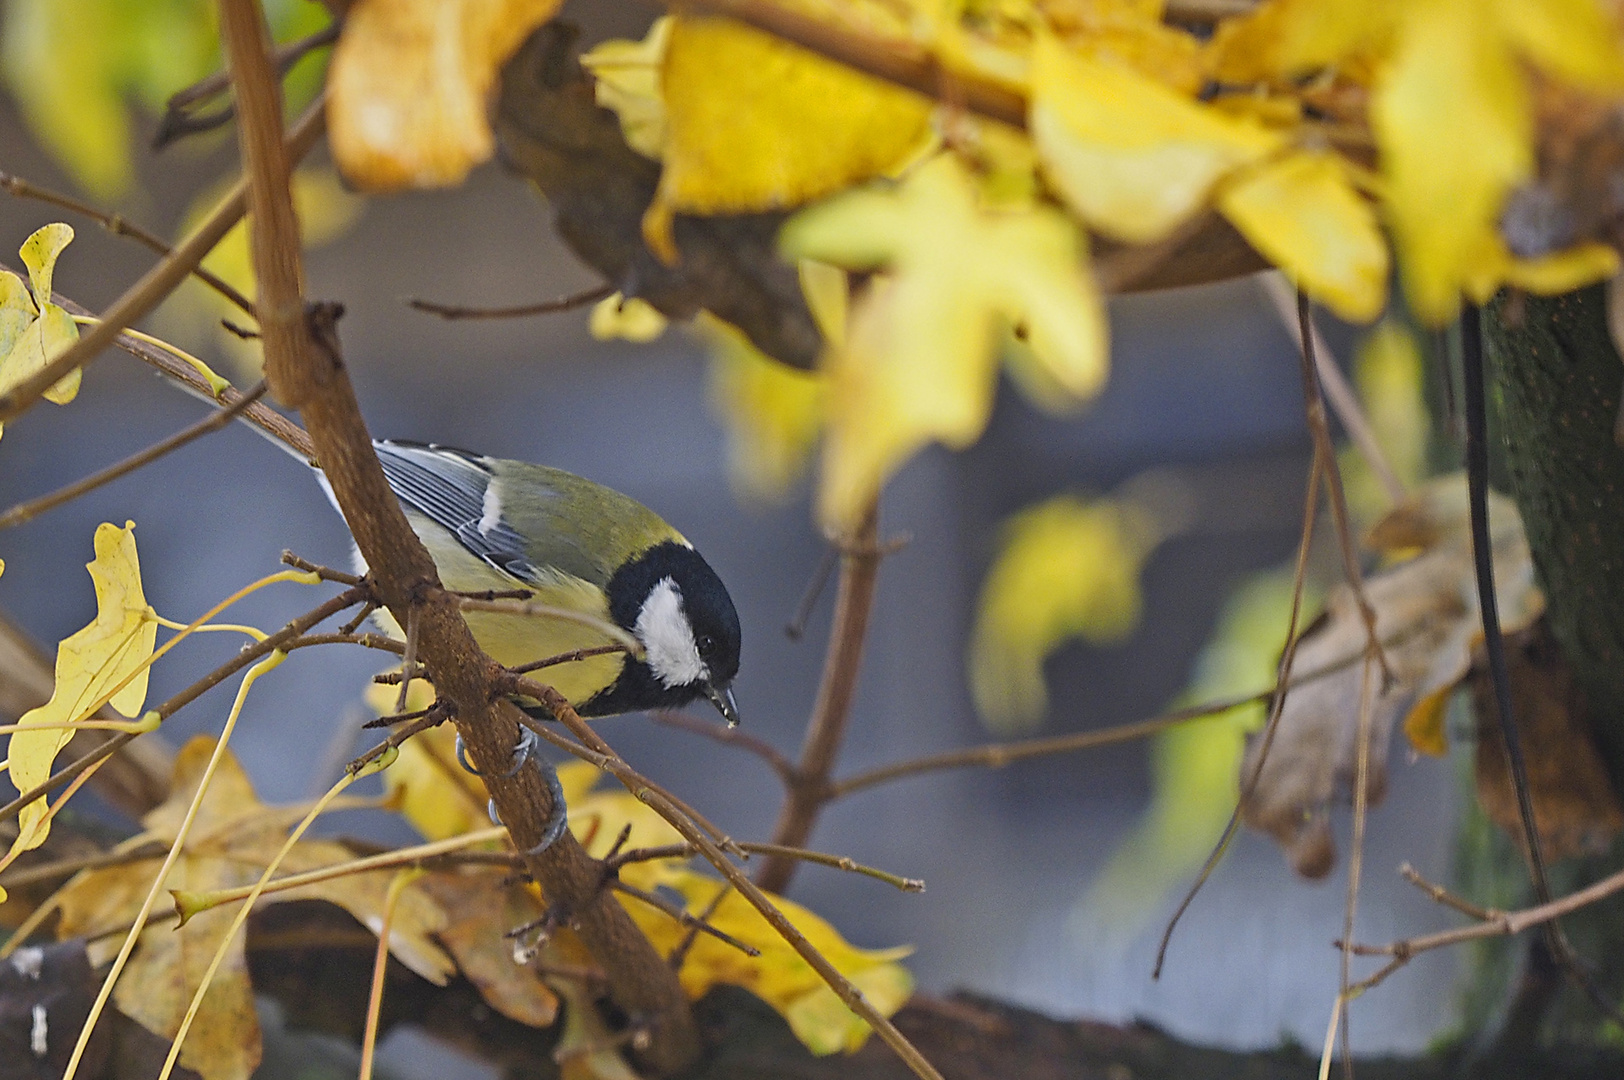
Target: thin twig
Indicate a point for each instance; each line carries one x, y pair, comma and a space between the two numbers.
728, 736
119, 225
1314, 407
16, 878
692, 922
570, 657
838, 862
157, 283
176, 123
1440, 895
1343, 401
26, 511
1277, 705
593, 749
814, 589
826, 730
545, 307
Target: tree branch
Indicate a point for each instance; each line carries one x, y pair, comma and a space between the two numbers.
810, 786
305, 371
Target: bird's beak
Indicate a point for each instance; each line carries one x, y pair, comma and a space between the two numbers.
722, 698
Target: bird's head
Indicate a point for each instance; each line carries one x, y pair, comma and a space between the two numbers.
680, 612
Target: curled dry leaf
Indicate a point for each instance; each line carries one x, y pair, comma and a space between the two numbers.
1576, 809
1427, 619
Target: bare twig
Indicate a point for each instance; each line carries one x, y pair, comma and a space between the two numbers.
305, 369
1277, 706
16, 878
118, 225
809, 787
692, 922
814, 589
592, 748
545, 307
160, 281
1314, 407
729, 736
838, 862
177, 122
26, 511
1343, 401
1440, 895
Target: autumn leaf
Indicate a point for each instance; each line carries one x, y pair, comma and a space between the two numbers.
919, 362
773, 413
778, 976
1301, 212
233, 838
754, 123
626, 78
1133, 157
89, 664
33, 330
487, 905
1426, 617
1067, 568
408, 86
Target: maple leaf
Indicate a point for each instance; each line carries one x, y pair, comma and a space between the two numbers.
919, 361
408, 85
89, 664
626, 81
1426, 616
33, 330
754, 123
233, 838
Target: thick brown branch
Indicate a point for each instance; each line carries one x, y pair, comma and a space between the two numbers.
304, 368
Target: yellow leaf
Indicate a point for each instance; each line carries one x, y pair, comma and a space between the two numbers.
1067, 569
1133, 157
1576, 40
39, 253
919, 362
408, 86
89, 663
1547, 275
627, 81
232, 839
1302, 214
1451, 83
33, 330
773, 413
1389, 371
634, 319
778, 976
754, 123
1424, 725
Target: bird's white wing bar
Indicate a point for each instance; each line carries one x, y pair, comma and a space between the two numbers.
454, 489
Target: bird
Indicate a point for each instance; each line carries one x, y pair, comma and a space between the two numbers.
493, 524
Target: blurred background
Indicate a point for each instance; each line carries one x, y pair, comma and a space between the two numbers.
1032, 895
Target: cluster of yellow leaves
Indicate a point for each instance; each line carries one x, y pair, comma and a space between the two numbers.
441, 800
103, 662
1449, 74
33, 330
232, 839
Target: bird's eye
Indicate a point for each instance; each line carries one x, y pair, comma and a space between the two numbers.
705, 643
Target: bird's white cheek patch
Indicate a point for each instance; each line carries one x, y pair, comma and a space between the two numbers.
668, 640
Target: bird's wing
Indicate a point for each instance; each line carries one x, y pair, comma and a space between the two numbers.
452, 488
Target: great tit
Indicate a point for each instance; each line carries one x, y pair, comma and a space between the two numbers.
494, 524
